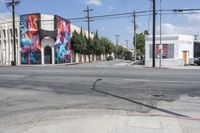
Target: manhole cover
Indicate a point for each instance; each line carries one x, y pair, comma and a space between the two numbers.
158, 96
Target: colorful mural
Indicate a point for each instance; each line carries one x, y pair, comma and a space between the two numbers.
30, 39
62, 44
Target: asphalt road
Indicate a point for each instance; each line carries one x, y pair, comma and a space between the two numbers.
114, 85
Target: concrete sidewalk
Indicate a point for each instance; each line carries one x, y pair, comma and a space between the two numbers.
187, 67
117, 124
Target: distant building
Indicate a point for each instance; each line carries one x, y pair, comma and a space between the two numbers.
40, 39
196, 48
177, 50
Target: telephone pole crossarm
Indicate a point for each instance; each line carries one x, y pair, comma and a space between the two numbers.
88, 10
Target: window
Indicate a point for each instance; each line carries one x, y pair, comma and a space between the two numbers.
168, 51
11, 33
4, 33
171, 51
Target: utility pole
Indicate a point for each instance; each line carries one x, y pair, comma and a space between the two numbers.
160, 48
135, 41
117, 39
196, 37
88, 10
13, 4
127, 44
154, 32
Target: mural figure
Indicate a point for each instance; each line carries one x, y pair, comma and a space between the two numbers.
62, 44
30, 39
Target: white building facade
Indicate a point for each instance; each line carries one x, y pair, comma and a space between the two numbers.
176, 50
6, 41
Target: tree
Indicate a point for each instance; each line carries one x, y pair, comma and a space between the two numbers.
120, 51
83, 45
140, 43
76, 42
83, 41
146, 32
107, 45
97, 47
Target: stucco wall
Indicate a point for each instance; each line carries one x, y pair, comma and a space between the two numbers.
165, 63
181, 43
47, 22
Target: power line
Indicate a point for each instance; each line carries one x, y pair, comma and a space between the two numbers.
129, 16
121, 17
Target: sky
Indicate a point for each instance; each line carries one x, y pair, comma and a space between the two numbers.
171, 24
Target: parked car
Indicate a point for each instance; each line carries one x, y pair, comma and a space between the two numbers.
197, 60
128, 55
127, 58
132, 58
109, 58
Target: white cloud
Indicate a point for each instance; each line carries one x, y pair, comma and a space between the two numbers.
193, 19
5, 15
191, 27
94, 2
168, 28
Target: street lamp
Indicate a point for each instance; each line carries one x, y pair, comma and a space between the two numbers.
13, 4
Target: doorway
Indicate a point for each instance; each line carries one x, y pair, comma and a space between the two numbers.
47, 55
185, 57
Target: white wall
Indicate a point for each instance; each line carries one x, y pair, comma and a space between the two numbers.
47, 22
6, 49
78, 29
181, 43
186, 43
165, 40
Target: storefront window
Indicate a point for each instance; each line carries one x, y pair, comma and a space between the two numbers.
168, 51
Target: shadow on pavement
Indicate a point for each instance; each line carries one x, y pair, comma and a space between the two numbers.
136, 102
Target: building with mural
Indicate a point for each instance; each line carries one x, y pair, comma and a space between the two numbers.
40, 39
